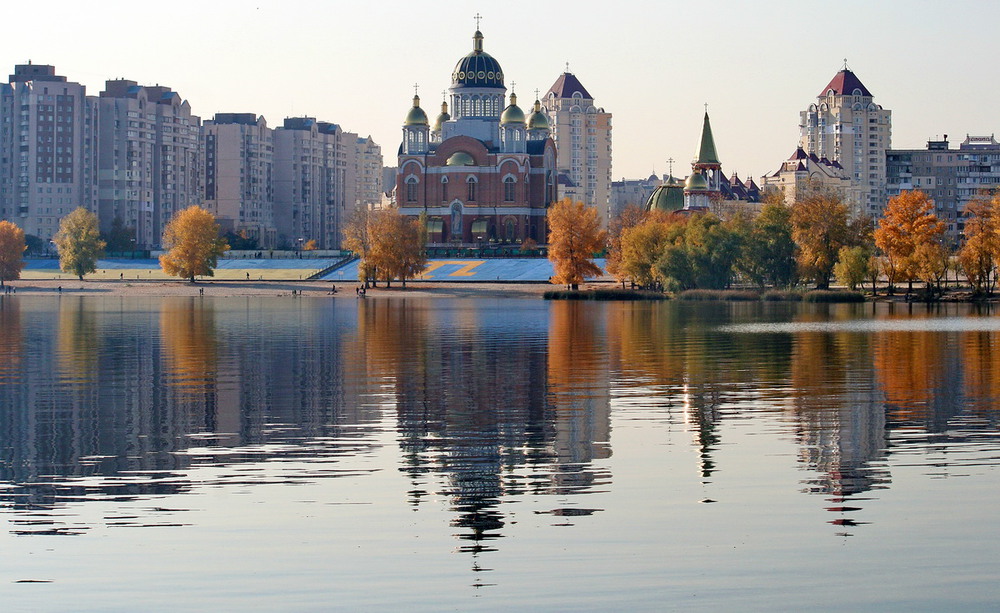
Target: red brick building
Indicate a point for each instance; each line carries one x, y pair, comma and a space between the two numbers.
486, 174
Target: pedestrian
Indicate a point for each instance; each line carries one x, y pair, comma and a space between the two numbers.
248, 276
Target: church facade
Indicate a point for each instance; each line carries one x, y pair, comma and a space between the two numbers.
486, 171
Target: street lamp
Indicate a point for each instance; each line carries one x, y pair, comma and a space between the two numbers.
300, 247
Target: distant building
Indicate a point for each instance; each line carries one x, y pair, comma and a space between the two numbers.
846, 126
482, 173
239, 188
149, 161
582, 133
313, 181
631, 192
48, 149
951, 177
803, 172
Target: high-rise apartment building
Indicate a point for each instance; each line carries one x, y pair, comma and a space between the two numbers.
149, 158
951, 177
312, 196
239, 150
368, 161
846, 126
48, 148
582, 133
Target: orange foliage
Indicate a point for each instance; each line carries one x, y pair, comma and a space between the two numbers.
575, 235
193, 244
907, 226
11, 251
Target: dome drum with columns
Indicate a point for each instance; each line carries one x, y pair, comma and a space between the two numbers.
484, 173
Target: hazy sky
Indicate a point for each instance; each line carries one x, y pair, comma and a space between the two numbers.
653, 65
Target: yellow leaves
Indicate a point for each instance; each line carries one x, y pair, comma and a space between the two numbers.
79, 242
979, 255
575, 235
311, 245
819, 229
390, 245
643, 244
12, 248
192, 243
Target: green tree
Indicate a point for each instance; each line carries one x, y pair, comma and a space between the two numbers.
575, 235
852, 267
193, 244
12, 249
644, 244
79, 243
120, 238
768, 253
819, 229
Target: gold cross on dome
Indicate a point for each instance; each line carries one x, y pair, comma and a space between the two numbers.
536, 93
416, 87
478, 17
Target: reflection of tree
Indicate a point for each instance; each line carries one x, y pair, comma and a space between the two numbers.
79, 339
981, 371
187, 328
11, 342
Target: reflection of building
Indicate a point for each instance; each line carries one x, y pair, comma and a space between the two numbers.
482, 172
582, 134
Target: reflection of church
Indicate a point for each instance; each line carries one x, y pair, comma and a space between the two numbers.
485, 172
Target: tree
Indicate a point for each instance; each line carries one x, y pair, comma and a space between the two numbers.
357, 240
311, 245
575, 235
79, 243
643, 245
193, 244
768, 253
979, 255
119, 238
852, 267
12, 247
819, 229
396, 245
632, 216
907, 223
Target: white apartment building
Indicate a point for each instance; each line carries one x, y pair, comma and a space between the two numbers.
239, 150
846, 126
149, 158
48, 146
582, 133
368, 159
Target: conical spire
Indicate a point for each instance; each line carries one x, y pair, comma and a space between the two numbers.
707, 154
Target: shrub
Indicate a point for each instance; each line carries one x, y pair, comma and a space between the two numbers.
603, 294
731, 295
822, 295
777, 295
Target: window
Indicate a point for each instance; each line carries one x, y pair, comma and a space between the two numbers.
444, 189
509, 187
472, 188
411, 189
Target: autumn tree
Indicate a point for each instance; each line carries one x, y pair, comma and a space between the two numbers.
12, 249
644, 244
193, 244
819, 229
311, 245
630, 217
904, 234
979, 255
575, 235
397, 245
357, 240
79, 243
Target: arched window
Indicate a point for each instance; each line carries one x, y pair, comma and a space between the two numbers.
472, 189
444, 189
509, 189
411, 189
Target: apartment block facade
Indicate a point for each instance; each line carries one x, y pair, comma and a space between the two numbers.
149, 158
582, 134
951, 177
48, 149
846, 126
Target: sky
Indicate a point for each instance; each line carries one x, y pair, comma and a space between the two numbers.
653, 65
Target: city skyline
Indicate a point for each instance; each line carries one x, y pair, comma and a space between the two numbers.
756, 67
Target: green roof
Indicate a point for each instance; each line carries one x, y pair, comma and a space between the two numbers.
667, 197
707, 154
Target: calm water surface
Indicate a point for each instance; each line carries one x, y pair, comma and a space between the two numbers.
481, 454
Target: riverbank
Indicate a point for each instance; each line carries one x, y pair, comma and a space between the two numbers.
223, 288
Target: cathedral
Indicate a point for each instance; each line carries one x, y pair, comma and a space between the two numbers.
486, 171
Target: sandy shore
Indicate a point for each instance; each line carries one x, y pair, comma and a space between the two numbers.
282, 288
